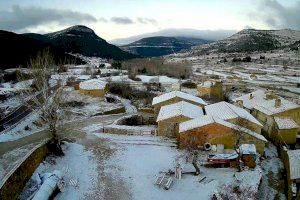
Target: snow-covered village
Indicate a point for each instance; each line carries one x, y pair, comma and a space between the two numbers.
172, 114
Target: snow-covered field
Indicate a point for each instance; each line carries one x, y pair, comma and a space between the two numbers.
77, 165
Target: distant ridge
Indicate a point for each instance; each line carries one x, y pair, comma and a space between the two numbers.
251, 40
17, 49
160, 45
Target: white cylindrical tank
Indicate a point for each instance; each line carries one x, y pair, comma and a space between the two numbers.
48, 187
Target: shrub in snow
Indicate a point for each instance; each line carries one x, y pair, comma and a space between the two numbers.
247, 59
235, 191
189, 84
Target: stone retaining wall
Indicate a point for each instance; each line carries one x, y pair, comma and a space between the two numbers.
14, 182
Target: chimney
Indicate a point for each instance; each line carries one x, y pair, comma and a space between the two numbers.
277, 103
251, 96
240, 103
270, 95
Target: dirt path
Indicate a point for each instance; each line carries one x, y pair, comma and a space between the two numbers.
69, 127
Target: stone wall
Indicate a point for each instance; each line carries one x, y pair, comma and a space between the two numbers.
169, 127
217, 134
16, 180
93, 93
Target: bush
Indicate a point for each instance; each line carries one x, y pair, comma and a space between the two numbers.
155, 66
116, 65
236, 59
127, 92
101, 65
189, 84
15, 76
247, 59
120, 89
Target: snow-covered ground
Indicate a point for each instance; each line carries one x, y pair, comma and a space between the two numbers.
272, 185
77, 165
23, 128
139, 160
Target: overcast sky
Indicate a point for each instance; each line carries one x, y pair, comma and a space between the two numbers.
113, 19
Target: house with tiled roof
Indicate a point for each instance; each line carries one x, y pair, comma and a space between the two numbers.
93, 87
214, 130
234, 114
291, 160
275, 113
174, 97
171, 115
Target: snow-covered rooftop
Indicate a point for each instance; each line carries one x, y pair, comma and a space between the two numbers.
294, 161
207, 119
247, 149
259, 101
93, 84
268, 107
181, 108
258, 96
285, 123
173, 94
207, 84
225, 111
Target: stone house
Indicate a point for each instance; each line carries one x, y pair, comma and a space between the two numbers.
93, 87
248, 154
291, 160
210, 89
286, 130
248, 101
211, 129
234, 114
171, 115
174, 97
267, 111
265, 106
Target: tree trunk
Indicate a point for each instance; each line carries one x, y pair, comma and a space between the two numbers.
195, 165
55, 145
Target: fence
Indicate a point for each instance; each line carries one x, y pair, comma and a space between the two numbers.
126, 130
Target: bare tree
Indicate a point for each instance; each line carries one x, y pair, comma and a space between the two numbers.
239, 132
45, 97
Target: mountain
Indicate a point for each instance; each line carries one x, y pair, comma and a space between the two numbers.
211, 35
83, 40
159, 46
17, 49
250, 40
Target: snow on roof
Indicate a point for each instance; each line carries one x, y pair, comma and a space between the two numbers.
93, 84
173, 94
285, 123
247, 149
177, 109
268, 107
294, 162
258, 96
229, 156
225, 111
208, 84
196, 123
205, 120
261, 103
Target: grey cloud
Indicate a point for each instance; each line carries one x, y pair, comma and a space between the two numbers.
20, 18
102, 19
278, 16
248, 27
121, 20
146, 20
